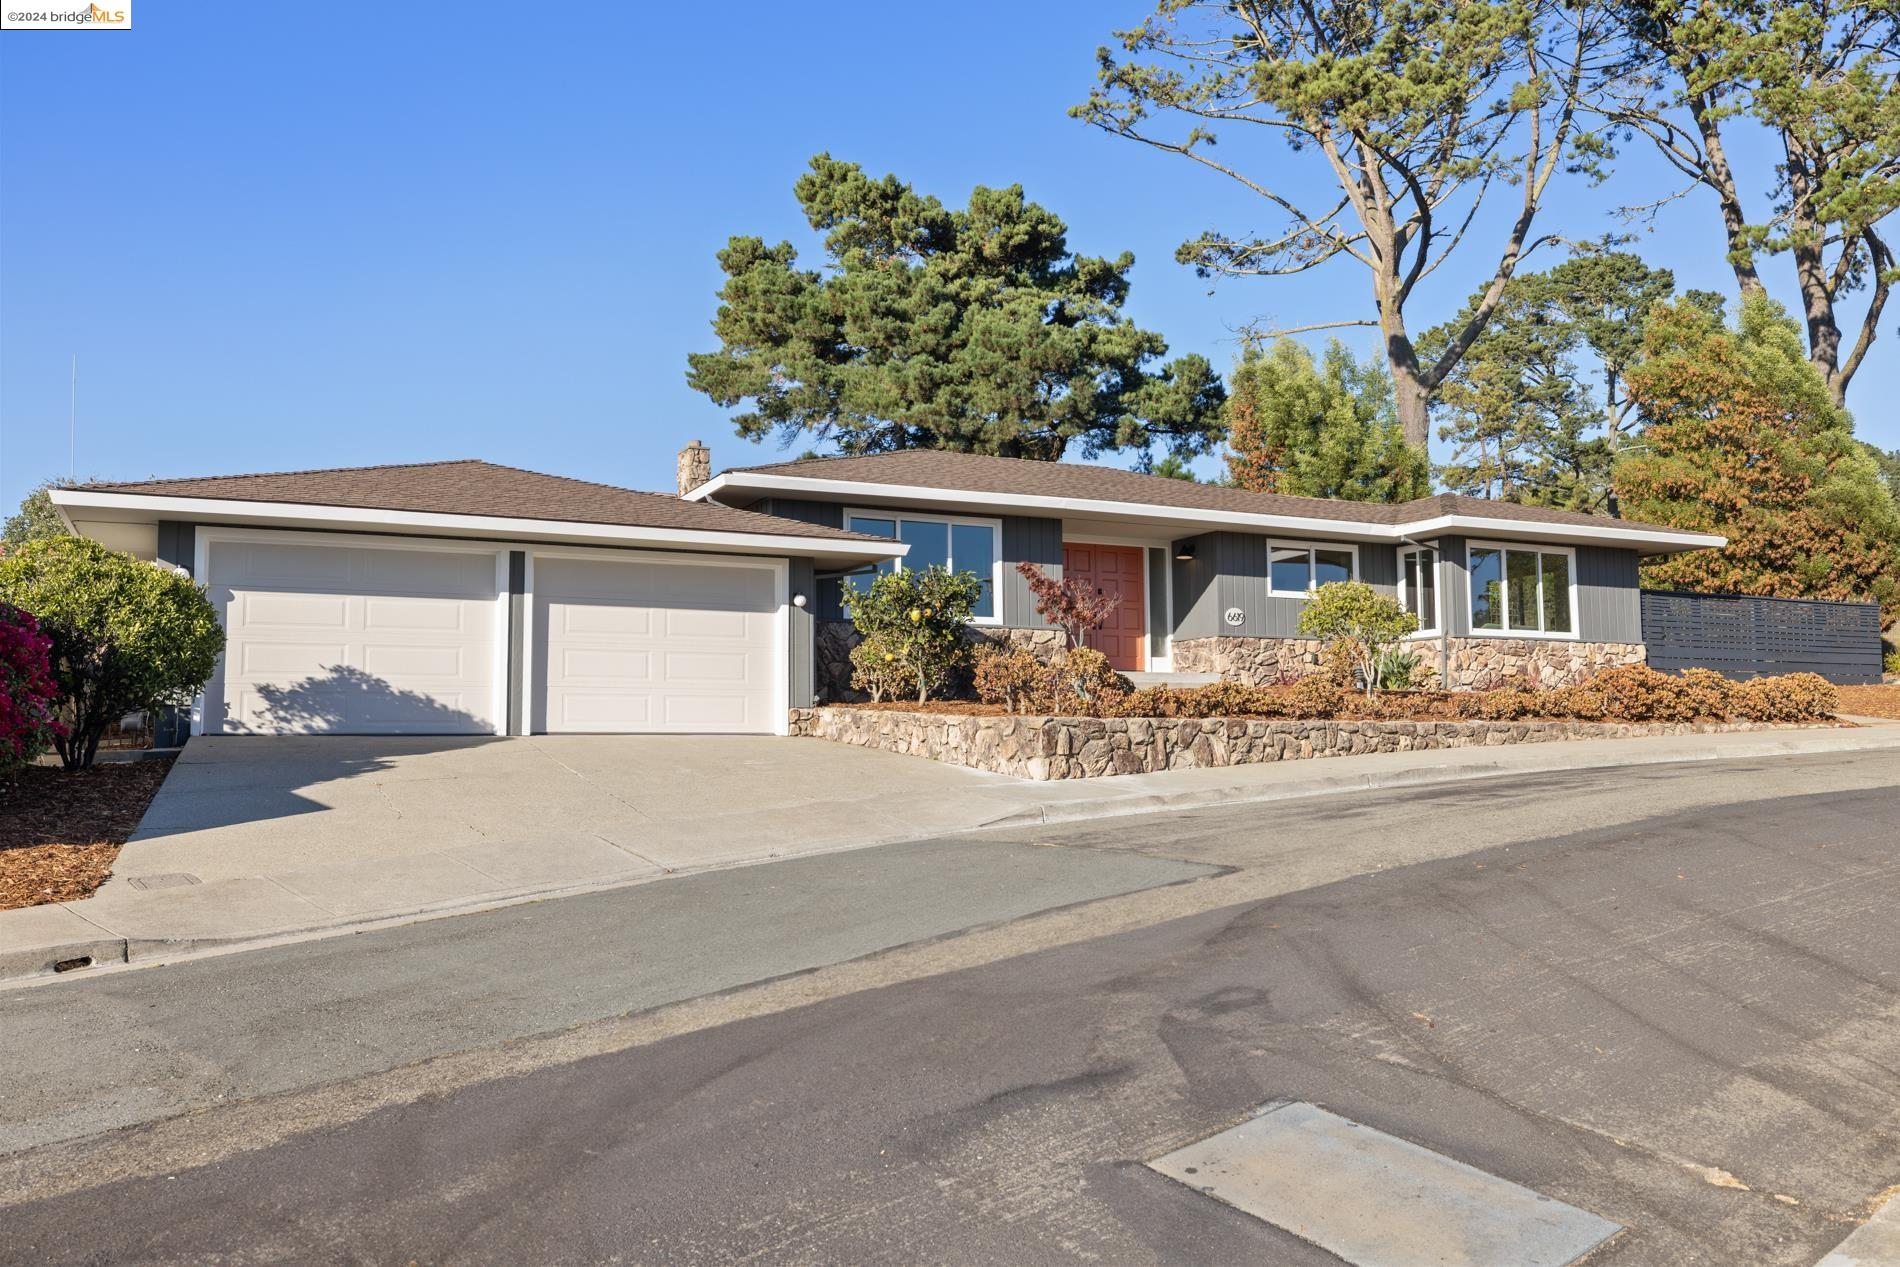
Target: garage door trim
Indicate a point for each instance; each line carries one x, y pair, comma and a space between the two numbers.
207, 535
781, 624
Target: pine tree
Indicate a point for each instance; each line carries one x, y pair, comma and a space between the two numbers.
1326, 430
1743, 438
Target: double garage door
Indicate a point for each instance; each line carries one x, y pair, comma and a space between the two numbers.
386, 639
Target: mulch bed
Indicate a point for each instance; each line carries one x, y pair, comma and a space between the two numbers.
61, 830
1395, 706
1871, 701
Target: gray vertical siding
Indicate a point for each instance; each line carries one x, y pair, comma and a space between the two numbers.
1237, 562
1609, 595
178, 544
1027, 540
798, 645
1196, 593
1454, 586
824, 514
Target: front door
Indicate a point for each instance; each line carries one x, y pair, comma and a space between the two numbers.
1113, 570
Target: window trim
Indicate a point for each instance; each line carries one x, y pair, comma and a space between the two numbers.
1274, 543
968, 521
1437, 629
1524, 547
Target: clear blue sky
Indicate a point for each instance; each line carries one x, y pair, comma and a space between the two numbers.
284, 236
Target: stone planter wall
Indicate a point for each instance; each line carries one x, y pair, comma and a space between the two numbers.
833, 639
1475, 663
1089, 747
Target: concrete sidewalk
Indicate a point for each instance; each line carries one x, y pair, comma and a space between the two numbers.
253, 841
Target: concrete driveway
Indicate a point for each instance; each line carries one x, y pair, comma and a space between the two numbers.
280, 806
255, 838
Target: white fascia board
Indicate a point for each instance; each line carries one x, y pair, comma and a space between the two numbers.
1634, 538
1213, 520
214, 510
1197, 520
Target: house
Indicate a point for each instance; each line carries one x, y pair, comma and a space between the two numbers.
1212, 579
470, 598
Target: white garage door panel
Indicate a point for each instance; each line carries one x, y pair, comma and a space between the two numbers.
346, 639
632, 646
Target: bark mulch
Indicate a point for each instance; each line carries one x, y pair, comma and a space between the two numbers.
60, 830
1871, 701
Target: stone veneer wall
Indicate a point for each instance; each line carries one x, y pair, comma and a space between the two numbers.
833, 640
1087, 747
1475, 663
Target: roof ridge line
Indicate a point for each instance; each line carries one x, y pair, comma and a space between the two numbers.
256, 475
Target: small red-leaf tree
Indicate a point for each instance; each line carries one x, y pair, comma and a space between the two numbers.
1073, 606
28, 693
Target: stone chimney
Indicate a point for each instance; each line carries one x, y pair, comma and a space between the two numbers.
695, 466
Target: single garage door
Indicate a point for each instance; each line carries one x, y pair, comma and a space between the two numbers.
651, 646
335, 639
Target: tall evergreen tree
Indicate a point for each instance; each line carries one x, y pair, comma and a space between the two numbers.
1410, 116
1539, 407
1742, 437
1325, 430
977, 330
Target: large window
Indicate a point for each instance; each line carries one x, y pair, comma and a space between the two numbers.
961, 545
1418, 586
1521, 590
1294, 571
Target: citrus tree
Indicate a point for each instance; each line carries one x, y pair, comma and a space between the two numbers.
912, 626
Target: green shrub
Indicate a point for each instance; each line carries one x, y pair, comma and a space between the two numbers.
918, 619
1706, 693
1358, 623
1011, 677
1398, 670
875, 670
1789, 698
1892, 664
127, 636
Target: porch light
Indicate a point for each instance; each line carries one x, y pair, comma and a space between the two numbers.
1185, 551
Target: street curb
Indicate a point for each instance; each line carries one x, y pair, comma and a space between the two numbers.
33, 965
1450, 772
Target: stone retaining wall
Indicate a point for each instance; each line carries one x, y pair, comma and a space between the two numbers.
1475, 663
1088, 747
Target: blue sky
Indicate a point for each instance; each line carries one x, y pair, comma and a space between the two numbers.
284, 236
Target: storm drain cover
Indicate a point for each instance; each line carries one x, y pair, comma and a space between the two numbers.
1378, 1201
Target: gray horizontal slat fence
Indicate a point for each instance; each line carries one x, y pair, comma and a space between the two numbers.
1741, 636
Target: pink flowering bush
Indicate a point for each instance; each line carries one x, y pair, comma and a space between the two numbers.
27, 690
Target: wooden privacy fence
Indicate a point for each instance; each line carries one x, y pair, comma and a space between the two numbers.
1741, 636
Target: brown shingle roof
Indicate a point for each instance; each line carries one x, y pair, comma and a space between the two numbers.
473, 487
975, 473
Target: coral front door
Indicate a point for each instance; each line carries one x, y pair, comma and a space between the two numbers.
1113, 570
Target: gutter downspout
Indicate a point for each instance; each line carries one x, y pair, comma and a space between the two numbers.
1438, 598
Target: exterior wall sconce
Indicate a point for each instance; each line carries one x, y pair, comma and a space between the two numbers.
1185, 551
798, 600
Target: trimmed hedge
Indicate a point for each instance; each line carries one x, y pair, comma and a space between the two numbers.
1636, 693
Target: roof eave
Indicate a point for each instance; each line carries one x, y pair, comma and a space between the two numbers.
135, 507
1646, 539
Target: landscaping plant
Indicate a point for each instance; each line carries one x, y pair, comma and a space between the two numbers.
127, 636
1357, 622
916, 623
28, 693
1071, 605
1010, 676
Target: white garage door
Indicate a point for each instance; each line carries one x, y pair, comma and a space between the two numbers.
353, 640
632, 646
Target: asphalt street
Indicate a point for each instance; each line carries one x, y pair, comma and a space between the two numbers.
1666, 996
